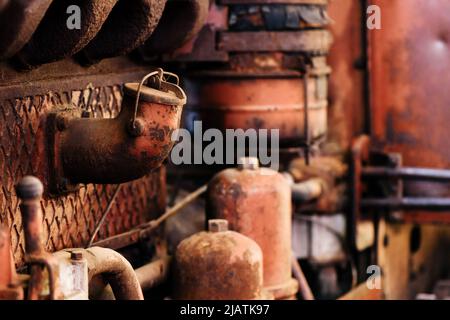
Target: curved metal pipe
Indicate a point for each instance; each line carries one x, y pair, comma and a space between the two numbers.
124, 148
116, 270
112, 267
149, 276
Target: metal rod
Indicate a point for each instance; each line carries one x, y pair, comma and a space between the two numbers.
103, 218
306, 113
304, 287
407, 173
434, 204
135, 234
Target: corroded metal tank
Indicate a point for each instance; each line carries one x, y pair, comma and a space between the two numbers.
257, 203
218, 265
264, 100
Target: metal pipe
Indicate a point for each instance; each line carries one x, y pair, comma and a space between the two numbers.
149, 276
117, 271
141, 231
30, 190
127, 147
434, 204
307, 190
407, 173
303, 285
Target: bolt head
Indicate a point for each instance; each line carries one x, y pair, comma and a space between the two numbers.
29, 187
217, 225
136, 128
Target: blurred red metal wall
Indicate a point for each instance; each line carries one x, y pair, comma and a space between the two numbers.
409, 62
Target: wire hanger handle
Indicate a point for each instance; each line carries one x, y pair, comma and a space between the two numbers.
161, 73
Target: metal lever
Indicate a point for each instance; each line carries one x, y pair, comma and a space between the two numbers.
30, 190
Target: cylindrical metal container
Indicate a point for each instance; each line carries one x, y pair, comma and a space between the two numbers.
244, 100
257, 203
218, 265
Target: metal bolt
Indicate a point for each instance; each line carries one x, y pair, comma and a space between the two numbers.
249, 163
29, 187
217, 225
136, 127
76, 255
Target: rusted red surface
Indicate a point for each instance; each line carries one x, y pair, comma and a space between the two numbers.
409, 81
9, 285
346, 112
124, 148
218, 265
243, 100
409, 77
257, 203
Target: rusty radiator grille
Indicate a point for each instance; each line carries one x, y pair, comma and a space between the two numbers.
68, 220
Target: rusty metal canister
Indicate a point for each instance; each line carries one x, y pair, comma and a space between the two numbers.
218, 265
257, 203
244, 100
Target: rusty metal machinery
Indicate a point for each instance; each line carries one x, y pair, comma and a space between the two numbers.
257, 203
259, 99
127, 147
219, 265
83, 148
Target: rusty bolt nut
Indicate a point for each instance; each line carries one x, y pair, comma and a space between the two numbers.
136, 127
217, 225
62, 122
76, 255
249, 163
29, 188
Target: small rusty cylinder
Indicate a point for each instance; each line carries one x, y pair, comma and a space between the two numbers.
218, 265
257, 203
127, 147
30, 190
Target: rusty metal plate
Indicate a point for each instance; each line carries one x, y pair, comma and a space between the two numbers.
409, 77
70, 220
316, 41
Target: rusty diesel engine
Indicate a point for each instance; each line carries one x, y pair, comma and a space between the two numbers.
224, 150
